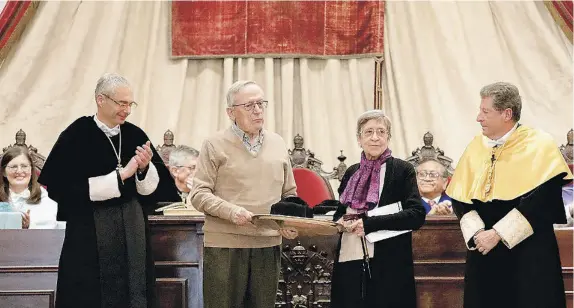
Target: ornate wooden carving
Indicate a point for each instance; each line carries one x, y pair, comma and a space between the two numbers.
428, 151
166, 147
305, 274
304, 158
567, 148
37, 158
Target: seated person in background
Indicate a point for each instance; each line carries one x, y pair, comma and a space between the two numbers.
567, 198
20, 188
432, 179
182, 163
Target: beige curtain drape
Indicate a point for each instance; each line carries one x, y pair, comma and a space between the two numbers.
49, 79
439, 54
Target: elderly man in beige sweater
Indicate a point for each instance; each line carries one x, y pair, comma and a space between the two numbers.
242, 171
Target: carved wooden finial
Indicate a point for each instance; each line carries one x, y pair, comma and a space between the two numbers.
305, 158
20, 137
168, 137
428, 151
167, 146
37, 158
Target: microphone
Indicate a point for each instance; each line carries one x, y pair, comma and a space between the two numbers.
492, 159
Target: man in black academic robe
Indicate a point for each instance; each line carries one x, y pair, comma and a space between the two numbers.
103, 172
506, 191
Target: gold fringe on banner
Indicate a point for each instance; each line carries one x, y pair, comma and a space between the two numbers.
18, 25
554, 7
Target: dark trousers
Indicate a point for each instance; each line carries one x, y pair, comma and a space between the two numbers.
240, 277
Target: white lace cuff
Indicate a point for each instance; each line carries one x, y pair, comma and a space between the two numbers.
513, 228
149, 183
470, 224
104, 187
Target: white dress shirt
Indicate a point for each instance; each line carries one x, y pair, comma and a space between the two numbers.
42, 215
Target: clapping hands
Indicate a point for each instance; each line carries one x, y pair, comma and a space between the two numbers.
442, 208
143, 155
129, 170
26, 220
140, 161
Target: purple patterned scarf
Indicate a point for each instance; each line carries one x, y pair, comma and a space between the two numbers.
362, 191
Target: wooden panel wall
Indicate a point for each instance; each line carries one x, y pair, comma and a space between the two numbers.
29, 259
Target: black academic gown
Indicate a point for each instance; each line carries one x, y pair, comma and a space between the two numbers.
393, 283
528, 275
106, 259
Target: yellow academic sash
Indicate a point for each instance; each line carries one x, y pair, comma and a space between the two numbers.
526, 160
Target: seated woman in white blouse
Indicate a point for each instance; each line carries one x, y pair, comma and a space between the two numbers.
19, 187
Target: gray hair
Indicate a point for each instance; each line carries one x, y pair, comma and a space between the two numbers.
235, 88
109, 82
180, 154
375, 114
444, 172
504, 96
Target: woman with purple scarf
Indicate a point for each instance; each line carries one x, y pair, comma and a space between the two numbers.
376, 274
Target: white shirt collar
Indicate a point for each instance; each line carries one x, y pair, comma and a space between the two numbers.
110, 132
492, 143
25, 194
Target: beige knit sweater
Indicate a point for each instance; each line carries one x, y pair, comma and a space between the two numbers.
229, 177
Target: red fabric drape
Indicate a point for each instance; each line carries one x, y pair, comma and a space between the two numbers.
13, 20
323, 29
562, 13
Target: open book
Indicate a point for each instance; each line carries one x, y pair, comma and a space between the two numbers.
385, 234
178, 209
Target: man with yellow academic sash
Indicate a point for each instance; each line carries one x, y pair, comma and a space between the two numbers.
506, 191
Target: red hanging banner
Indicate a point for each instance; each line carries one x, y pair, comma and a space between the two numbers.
316, 29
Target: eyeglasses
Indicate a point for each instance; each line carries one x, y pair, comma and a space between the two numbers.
190, 168
369, 132
431, 174
249, 106
123, 104
23, 167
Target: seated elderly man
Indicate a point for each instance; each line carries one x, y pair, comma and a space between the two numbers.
182, 163
431, 180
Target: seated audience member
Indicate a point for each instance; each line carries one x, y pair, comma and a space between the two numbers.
432, 178
182, 166
20, 188
567, 198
